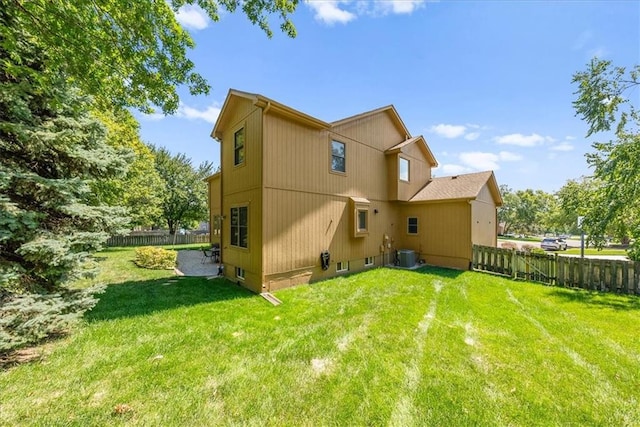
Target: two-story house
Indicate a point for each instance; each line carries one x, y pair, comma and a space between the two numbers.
293, 187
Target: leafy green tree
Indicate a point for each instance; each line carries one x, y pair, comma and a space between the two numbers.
140, 190
604, 102
525, 211
575, 198
132, 53
184, 198
506, 212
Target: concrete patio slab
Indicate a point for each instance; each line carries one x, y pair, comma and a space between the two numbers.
190, 264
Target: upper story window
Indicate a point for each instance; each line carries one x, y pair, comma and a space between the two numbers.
404, 169
238, 147
240, 226
338, 157
412, 225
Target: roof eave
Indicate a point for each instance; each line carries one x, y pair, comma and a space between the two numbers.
269, 105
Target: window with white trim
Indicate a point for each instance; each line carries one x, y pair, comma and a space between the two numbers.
338, 157
342, 266
240, 273
240, 226
412, 225
403, 169
369, 261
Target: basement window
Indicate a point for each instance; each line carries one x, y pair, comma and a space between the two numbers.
342, 266
369, 261
240, 273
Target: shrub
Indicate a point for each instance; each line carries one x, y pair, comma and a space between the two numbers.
509, 245
155, 258
29, 318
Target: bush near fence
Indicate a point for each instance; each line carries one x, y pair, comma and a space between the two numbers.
157, 240
595, 274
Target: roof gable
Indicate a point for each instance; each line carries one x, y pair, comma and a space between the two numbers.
389, 109
459, 187
421, 143
267, 105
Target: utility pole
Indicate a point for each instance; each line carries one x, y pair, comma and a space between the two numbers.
580, 219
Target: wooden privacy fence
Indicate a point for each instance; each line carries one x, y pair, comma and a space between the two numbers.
157, 240
595, 274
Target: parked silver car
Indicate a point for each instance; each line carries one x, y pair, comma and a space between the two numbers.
553, 244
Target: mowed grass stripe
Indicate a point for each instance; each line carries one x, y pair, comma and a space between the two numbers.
341, 352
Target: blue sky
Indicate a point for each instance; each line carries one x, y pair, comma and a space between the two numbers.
488, 83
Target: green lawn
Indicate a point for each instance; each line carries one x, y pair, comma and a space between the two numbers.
385, 347
602, 252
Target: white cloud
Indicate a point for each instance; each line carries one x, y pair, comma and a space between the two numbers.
344, 11
507, 156
192, 16
448, 131
522, 140
330, 12
472, 136
569, 138
397, 6
209, 114
152, 117
563, 146
451, 169
480, 161
487, 161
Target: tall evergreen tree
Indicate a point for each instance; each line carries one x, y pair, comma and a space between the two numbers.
51, 150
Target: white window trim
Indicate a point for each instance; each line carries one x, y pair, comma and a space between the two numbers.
344, 265
400, 159
369, 264
240, 273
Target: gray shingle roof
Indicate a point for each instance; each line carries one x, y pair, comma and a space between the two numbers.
457, 187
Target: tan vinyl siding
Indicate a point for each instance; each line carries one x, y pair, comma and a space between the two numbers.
419, 169
298, 158
241, 186
300, 225
444, 235
379, 131
484, 219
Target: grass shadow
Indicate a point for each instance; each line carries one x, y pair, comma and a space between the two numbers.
448, 273
598, 299
138, 298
